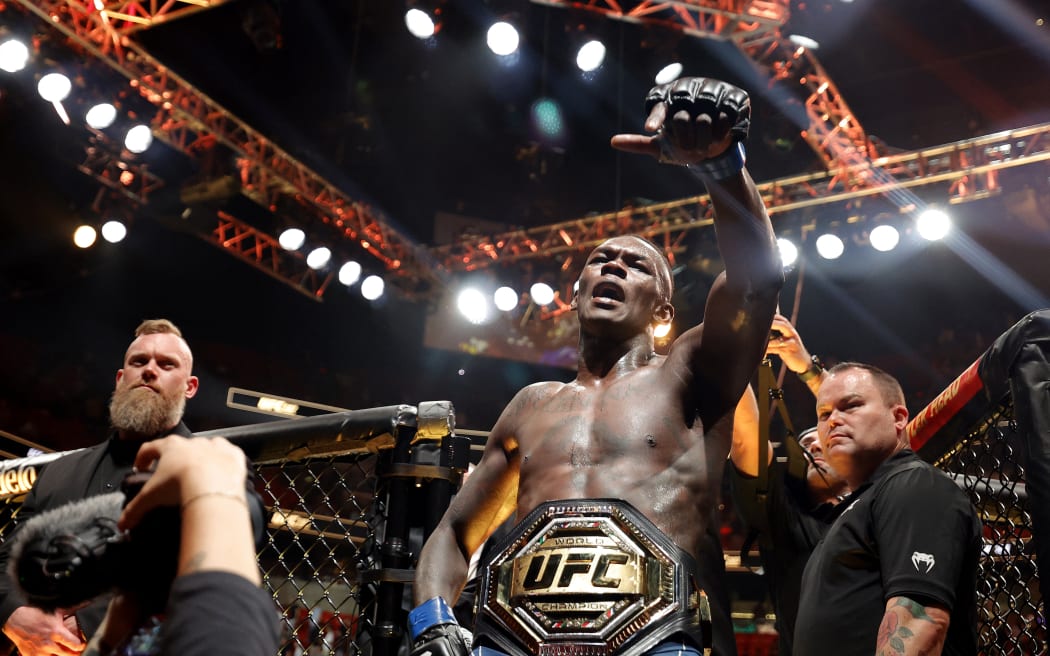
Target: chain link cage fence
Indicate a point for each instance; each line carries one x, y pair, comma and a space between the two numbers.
989, 464
989, 430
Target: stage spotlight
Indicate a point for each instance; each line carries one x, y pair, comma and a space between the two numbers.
319, 258
830, 247
506, 299
473, 305
114, 231
101, 116
350, 273
292, 239
372, 287
661, 330
84, 236
669, 73
541, 293
933, 224
590, 56
788, 252
14, 55
420, 24
503, 38
884, 238
54, 88
138, 139
803, 41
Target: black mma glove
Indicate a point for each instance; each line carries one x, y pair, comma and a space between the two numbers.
435, 631
729, 109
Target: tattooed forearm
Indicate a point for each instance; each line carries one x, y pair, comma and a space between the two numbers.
917, 610
910, 628
892, 635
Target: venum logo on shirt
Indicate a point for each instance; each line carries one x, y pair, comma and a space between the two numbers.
922, 561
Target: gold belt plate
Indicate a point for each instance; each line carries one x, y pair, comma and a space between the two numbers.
582, 571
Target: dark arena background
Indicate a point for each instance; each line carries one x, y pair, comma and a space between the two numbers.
434, 165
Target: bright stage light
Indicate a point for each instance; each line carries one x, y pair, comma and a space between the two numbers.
14, 55
884, 238
803, 41
788, 252
502, 38
473, 305
114, 231
84, 236
419, 23
54, 87
372, 287
933, 224
661, 330
541, 293
590, 56
319, 258
138, 139
830, 247
292, 239
350, 273
506, 299
669, 73
101, 116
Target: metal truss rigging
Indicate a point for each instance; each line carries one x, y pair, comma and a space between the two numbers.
755, 27
190, 121
969, 168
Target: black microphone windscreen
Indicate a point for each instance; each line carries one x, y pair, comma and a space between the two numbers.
66, 556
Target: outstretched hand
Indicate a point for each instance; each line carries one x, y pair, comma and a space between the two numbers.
693, 120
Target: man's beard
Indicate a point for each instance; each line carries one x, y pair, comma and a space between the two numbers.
145, 413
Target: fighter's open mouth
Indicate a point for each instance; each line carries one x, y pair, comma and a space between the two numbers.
608, 290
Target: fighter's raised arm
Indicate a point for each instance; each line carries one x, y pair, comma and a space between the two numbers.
701, 123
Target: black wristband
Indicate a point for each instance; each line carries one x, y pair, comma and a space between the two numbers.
726, 165
815, 370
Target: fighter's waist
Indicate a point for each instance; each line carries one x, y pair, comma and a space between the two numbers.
590, 577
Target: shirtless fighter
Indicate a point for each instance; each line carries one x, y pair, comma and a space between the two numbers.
612, 476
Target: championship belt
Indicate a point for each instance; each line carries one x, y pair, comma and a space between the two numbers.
589, 577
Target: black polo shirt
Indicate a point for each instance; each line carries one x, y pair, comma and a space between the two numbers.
788, 531
909, 531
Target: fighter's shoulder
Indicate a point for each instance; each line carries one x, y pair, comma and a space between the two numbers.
537, 392
529, 396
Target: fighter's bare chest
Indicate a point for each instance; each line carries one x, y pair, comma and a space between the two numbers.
611, 421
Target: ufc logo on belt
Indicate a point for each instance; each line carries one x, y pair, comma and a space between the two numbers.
564, 571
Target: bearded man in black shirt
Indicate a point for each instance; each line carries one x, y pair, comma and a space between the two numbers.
149, 399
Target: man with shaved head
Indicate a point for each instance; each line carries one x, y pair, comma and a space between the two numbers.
896, 571
148, 402
613, 477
